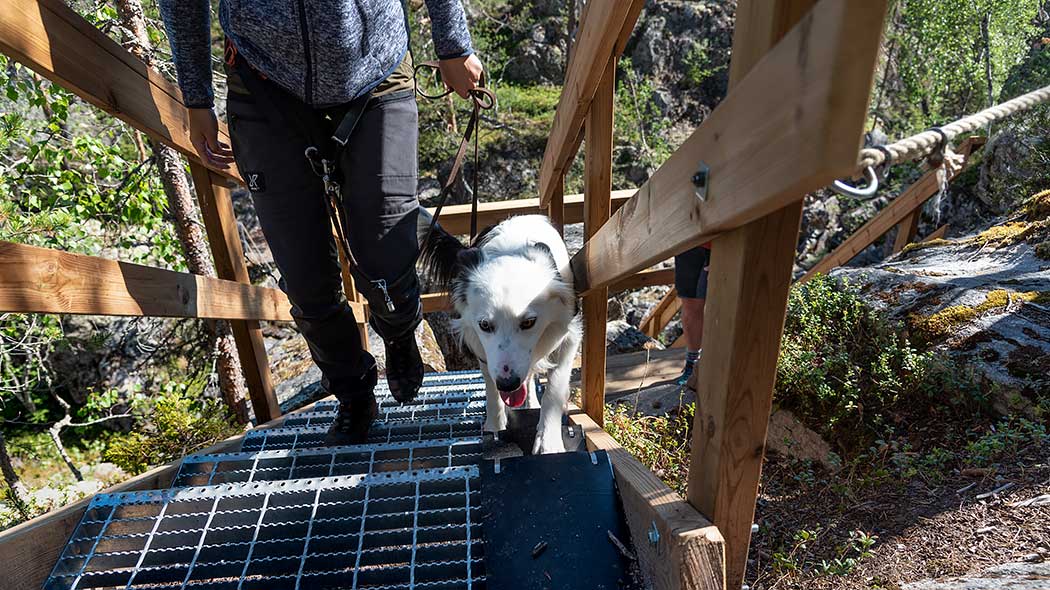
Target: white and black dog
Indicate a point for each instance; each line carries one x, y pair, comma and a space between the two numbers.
512, 290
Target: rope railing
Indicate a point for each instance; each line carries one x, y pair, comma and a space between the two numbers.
930, 141
923, 144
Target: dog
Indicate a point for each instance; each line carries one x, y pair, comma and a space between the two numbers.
516, 310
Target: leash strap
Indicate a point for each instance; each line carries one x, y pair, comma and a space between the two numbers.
482, 99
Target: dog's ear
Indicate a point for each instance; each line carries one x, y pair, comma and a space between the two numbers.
467, 260
540, 252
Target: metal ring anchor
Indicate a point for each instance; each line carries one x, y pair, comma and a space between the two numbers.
862, 192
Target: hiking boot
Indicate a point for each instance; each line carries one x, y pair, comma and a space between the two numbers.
404, 368
357, 411
352, 422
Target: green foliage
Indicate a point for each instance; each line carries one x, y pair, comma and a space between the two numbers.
797, 558
181, 420
935, 71
70, 178
638, 124
1004, 441
844, 369
660, 442
698, 67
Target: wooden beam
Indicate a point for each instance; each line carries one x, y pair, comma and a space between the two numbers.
936, 234
688, 552
750, 271
31, 549
220, 223
907, 229
764, 149
659, 316
598, 207
41, 280
604, 28
455, 219
556, 208
57, 43
910, 200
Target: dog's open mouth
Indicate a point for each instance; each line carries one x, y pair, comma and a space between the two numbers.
516, 398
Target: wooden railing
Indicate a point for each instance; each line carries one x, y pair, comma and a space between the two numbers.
903, 212
800, 79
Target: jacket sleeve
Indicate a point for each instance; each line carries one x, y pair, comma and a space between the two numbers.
188, 23
448, 25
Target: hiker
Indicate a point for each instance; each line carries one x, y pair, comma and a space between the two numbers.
690, 280
294, 71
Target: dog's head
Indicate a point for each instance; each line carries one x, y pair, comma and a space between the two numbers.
517, 307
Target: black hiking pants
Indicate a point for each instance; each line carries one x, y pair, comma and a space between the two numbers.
270, 134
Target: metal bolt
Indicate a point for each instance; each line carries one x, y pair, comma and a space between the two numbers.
701, 179
654, 535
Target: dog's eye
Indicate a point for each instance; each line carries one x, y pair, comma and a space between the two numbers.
486, 326
528, 323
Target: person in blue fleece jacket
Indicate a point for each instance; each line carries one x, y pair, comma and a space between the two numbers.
293, 68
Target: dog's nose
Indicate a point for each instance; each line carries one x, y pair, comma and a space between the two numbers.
510, 383
506, 369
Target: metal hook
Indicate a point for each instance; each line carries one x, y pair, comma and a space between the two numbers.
845, 189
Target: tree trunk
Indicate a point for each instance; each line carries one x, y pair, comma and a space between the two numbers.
18, 489
188, 229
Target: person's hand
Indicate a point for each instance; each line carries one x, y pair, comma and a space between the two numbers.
204, 134
461, 74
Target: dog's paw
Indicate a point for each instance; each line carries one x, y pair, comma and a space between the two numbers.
548, 441
495, 423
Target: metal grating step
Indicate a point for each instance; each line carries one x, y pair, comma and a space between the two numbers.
201, 470
464, 410
391, 531
313, 436
427, 396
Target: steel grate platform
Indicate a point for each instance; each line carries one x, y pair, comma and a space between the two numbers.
201, 470
391, 531
302, 437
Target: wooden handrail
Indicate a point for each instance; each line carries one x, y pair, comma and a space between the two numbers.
764, 150
455, 219
42, 280
57, 43
605, 26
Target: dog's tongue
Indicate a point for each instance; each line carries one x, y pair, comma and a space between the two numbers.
514, 398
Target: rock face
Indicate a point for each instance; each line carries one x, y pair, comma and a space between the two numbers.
986, 304
1013, 576
787, 436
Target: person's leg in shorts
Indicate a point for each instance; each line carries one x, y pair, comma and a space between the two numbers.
690, 269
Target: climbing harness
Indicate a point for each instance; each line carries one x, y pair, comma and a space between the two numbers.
932, 143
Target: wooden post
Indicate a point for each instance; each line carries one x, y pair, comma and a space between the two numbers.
556, 208
750, 274
226, 249
597, 208
907, 229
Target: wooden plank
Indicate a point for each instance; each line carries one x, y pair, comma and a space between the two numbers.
764, 149
911, 200
937, 234
32, 548
750, 271
556, 208
598, 206
689, 552
456, 218
220, 223
41, 280
603, 31
57, 43
907, 229
659, 316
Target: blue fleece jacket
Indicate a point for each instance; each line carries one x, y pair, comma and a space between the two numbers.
326, 52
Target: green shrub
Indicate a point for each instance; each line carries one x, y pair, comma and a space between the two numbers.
846, 372
181, 421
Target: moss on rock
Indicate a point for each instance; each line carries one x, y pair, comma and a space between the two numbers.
940, 325
1038, 206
